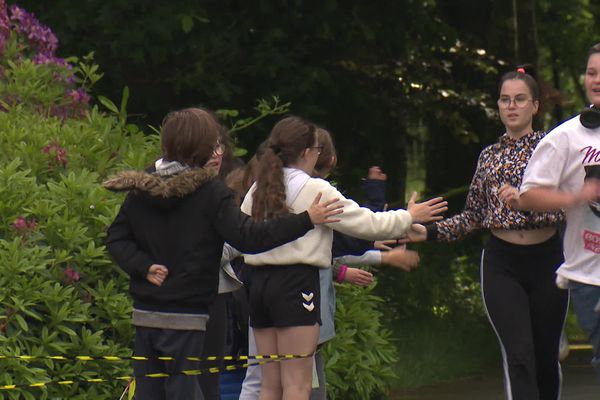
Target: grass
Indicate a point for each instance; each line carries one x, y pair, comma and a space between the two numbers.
436, 350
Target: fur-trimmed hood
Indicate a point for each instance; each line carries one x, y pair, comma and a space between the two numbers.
164, 189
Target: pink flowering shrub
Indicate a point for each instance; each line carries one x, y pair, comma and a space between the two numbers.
71, 275
28, 58
61, 295
57, 155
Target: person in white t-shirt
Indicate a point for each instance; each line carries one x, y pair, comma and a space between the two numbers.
564, 173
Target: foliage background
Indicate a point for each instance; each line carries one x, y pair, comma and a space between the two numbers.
407, 85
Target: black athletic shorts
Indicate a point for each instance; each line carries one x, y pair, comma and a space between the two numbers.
282, 296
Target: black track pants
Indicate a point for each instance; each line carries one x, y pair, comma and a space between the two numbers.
527, 311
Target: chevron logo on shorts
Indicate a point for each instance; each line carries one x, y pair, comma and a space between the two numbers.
309, 305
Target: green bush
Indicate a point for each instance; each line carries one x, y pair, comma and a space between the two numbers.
61, 295
360, 360
446, 284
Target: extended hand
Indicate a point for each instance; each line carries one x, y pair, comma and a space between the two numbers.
358, 276
321, 213
427, 211
385, 244
400, 257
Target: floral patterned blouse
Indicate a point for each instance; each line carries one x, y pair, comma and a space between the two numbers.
501, 163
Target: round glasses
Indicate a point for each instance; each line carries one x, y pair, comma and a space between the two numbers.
520, 101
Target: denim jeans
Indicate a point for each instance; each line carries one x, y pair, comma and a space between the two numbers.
585, 299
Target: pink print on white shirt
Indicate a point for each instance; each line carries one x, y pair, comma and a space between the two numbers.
591, 241
592, 155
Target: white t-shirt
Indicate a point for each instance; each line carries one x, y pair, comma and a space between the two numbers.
562, 160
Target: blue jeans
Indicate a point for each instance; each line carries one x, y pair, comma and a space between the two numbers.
585, 300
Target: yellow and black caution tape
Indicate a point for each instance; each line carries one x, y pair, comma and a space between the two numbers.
261, 359
166, 358
580, 347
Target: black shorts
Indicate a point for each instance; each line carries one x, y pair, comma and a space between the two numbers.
282, 296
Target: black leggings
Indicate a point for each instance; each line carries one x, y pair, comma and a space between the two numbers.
527, 311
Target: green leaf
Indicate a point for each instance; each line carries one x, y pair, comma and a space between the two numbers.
108, 104
21, 321
187, 23
131, 393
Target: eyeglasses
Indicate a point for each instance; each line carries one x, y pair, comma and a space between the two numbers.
520, 101
319, 148
218, 150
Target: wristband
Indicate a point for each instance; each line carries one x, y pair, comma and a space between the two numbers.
341, 274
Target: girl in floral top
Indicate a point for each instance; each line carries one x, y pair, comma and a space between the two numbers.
518, 263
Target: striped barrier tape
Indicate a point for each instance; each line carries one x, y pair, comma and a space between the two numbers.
264, 360
141, 358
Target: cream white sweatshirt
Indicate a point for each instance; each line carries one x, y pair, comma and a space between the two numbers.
314, 248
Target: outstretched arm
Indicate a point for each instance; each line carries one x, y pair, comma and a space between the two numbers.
545, 199
250, 236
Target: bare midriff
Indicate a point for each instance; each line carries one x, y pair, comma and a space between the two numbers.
525, 237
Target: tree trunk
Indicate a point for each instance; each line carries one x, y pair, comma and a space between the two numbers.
558, 111
525, 31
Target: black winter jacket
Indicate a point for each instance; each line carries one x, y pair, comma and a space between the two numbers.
181, 222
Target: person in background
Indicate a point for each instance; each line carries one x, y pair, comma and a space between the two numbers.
168, 237
518, 263
347, 251
284, 290
564, 173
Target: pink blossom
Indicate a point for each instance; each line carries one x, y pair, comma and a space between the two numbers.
70, 275
4, 25
78, 95
39, 36
59, 153
20, 223
23, 225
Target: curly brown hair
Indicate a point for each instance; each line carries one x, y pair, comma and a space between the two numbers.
288, 139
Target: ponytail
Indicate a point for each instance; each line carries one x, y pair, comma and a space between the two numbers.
288, 139
268, 199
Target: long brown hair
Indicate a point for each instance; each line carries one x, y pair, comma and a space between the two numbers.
240, 180
328, 157
288, 139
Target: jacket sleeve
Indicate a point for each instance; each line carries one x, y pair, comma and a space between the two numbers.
122, 247
250, 236
362, 223
375, 193
347, 245
370, 257
374, 190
